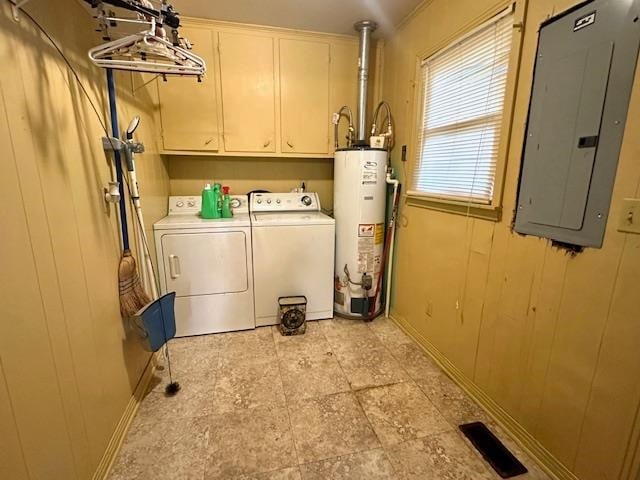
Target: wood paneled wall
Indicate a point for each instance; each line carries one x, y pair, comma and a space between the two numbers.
68, 364
189, 174
553, 339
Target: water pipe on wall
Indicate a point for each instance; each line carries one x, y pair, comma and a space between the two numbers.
392, 226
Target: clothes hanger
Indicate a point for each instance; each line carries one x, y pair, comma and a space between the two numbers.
146, 51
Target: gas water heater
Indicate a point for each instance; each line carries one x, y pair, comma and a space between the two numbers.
359, 202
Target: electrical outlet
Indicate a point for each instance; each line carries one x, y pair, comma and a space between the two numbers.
630, 216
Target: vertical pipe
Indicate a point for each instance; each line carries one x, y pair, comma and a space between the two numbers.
111, 88
365, 28
392, 226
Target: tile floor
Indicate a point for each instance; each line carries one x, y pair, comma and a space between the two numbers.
347, 400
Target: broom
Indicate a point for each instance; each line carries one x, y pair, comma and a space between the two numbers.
132, 294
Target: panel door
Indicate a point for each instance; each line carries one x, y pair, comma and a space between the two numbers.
304, 96
584, 73
188, 108
564, 134
248, 92
205, 263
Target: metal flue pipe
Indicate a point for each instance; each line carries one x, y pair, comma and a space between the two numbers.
365, 28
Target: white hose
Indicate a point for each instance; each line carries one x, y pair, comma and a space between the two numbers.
387, 297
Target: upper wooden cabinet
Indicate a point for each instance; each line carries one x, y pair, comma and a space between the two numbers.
188, 108
248, 92
267, 92
344, 85
304, 96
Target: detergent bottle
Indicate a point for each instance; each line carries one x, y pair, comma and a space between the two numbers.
207, 208
217, 201
226, 203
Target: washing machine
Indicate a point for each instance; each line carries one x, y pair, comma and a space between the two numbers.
208, 263
293, 254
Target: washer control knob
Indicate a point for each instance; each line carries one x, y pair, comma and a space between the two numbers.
306, 200
191, 203
179, 204
259, 201
268, 200
278, 201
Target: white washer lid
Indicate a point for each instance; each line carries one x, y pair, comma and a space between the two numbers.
290, 219
174, 222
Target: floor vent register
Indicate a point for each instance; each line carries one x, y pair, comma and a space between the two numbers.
493, 450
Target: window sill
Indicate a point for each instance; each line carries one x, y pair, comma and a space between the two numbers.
484, 212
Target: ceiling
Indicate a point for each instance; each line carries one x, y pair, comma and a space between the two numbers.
333, 16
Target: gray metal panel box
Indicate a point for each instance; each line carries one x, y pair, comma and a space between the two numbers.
584, 72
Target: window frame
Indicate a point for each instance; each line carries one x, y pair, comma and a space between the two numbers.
493, 210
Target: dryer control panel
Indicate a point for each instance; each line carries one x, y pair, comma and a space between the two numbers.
191, 205
285, 202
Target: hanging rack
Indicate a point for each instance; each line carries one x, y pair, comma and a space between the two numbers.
149, 50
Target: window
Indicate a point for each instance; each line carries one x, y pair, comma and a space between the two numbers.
463, 92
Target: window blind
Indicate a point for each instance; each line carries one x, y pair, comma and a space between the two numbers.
463, 90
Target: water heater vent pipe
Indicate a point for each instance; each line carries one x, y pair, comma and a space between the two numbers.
365, 28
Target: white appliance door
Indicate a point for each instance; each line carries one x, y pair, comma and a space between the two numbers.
205, 263
293, 261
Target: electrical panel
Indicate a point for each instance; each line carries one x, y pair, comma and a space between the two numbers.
584, 72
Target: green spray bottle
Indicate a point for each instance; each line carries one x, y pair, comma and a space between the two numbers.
208, 206
217, 201
226, 203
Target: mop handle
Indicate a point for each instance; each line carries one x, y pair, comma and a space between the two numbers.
111, 88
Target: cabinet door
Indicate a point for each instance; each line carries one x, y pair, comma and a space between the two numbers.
248, 92
304, 96
188, 110
343, 89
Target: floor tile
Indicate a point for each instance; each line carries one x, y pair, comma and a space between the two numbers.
247, 344
370, 368
330, 426
248, 442
442, 456
191, 362
163, 450
452, 402
388, 332
232, 419
311, 375
401, 412
199, 345
194, 399
292, 473
311, 342
414, 360
243, 384
369, 465
349, 336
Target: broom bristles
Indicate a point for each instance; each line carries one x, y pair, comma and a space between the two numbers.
132, 294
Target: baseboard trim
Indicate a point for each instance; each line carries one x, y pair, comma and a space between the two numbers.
520, 435
115, 442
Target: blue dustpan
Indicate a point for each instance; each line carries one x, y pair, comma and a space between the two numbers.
158, 320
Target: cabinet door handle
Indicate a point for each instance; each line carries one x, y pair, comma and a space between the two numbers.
208, 141
174, 266
267, 143
289, 143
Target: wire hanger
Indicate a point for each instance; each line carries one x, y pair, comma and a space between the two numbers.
146, 51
